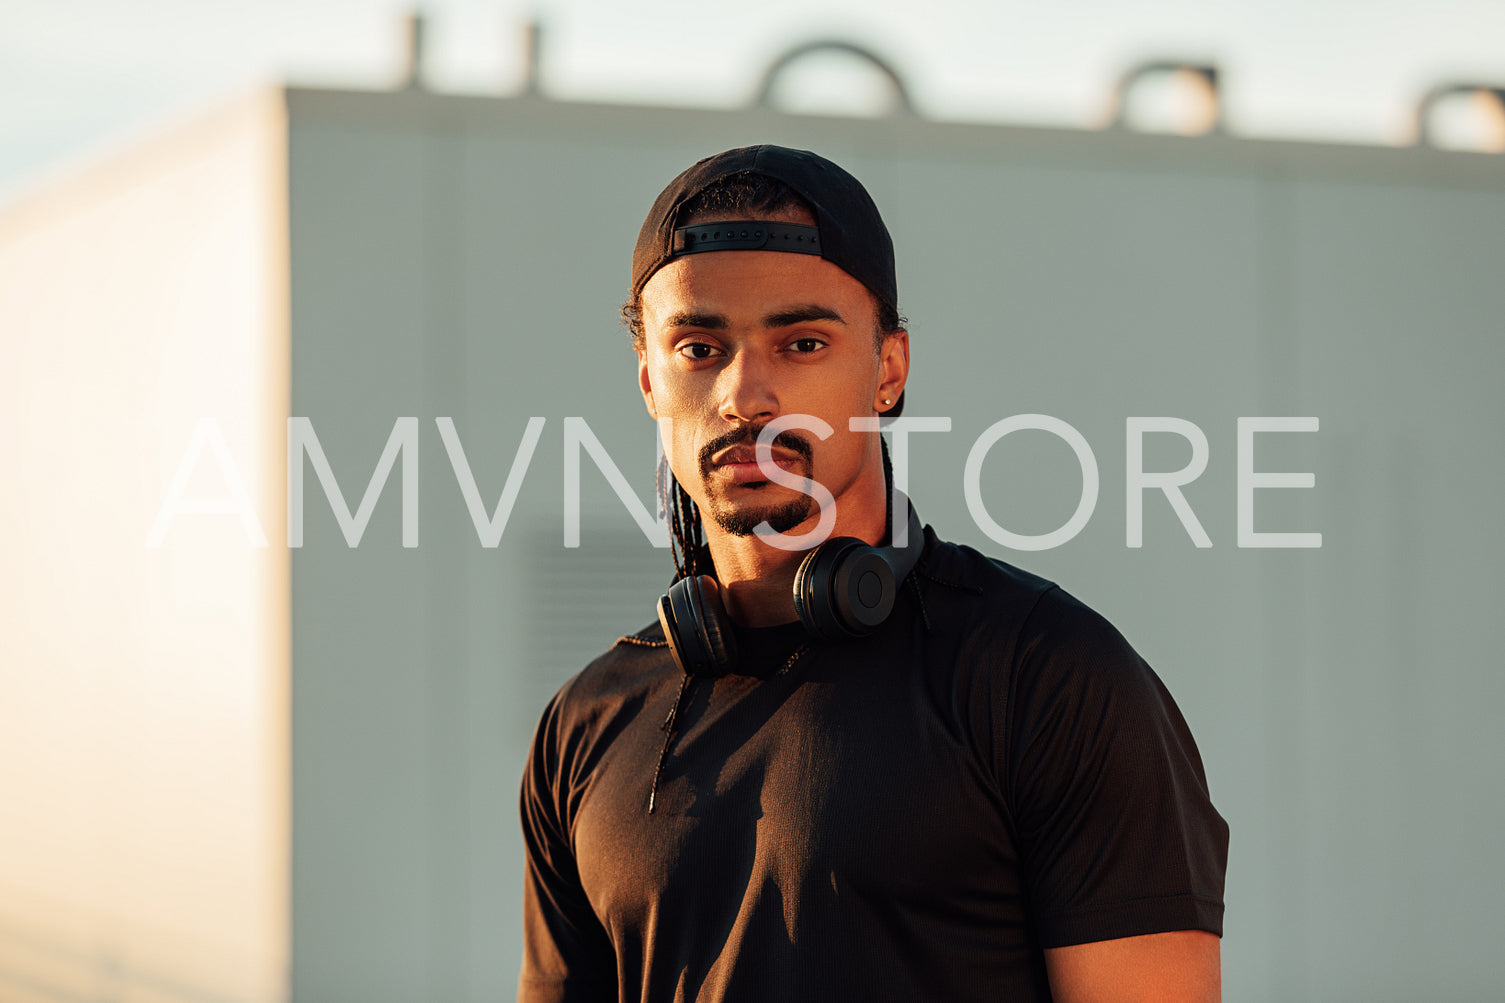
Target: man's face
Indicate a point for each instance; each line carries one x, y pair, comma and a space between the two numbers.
735, 339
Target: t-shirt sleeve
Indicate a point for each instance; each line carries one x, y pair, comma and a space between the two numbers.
567, 955
1118, 835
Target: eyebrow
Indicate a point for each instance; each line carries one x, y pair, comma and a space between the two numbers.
784, 318
713, 321
801, 314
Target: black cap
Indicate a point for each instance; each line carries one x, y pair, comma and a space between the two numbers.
851, 234
848, 231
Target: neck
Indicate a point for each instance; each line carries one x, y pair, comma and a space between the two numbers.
757, 579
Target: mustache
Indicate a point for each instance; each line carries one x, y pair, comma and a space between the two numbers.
748, 435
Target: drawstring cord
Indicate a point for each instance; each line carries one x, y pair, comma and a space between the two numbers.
668, 729
686, 517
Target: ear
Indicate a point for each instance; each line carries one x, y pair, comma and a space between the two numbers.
893, 369
644, 384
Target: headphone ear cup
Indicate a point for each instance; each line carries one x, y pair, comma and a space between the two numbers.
814, 598
697, 627
670, 625
862, 590
715, 624
801, 590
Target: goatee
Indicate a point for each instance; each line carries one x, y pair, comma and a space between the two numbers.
781, 519
744, 521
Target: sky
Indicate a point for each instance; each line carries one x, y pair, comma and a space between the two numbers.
79, 76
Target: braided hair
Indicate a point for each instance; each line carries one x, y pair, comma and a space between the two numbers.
687, 545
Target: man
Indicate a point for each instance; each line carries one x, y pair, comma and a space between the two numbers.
886, 768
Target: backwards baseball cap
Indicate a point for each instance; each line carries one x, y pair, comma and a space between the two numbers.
848, 230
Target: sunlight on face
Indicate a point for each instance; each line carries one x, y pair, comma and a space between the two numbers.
735, 339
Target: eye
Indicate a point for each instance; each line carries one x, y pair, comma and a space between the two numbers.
805, 346
698, 351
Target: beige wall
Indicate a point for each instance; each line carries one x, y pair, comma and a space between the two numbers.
143, 727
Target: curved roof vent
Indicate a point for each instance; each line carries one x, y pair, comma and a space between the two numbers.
1198, 82
903, 105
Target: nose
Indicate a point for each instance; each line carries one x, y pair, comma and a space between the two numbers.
747, 390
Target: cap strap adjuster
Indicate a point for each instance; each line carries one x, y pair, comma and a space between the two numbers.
746, 235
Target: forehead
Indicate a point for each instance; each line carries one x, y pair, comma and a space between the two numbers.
743, 284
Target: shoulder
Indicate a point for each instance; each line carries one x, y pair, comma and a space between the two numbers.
617, 680
1059, 684
1101, 781
629, 659
1026, 635
588, 713
602, 698
966, 591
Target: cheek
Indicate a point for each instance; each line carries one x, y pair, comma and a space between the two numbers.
682, 456
671, 391
678, 405
677, 433
673, 399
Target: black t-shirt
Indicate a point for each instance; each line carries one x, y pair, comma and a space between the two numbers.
912, 815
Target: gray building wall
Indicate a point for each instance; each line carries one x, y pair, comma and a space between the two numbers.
1341, 695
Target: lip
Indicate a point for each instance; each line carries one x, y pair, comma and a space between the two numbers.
739, 464
738, 455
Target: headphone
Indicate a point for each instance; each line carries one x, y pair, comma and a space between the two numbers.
843, 589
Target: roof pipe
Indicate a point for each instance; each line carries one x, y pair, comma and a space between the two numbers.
414, 38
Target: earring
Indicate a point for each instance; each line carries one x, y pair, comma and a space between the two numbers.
886, 402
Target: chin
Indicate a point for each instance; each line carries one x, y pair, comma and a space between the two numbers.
740, 520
